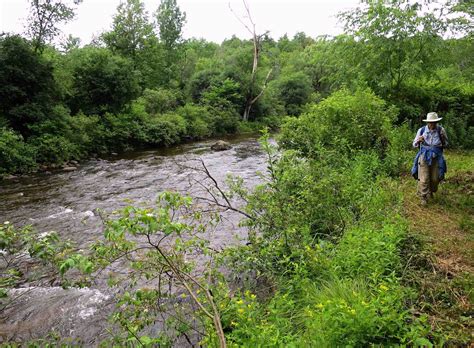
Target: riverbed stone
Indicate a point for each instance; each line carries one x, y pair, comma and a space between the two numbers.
69, 169
221, 145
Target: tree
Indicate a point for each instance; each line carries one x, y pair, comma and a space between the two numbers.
170, 21
102, 82
400, 37
294, 91
253, 94
45, 16
27, 86
132, 36
195, 52
331, 63
70, 43
131, 30
461, 16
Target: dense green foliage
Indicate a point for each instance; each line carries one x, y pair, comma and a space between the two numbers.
326, 259
87, 100
28, 90
327, 253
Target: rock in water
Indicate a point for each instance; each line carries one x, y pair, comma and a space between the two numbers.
69, 169
221, 145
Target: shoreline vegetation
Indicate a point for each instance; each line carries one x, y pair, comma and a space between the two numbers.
140, 84
339, 253
251, 129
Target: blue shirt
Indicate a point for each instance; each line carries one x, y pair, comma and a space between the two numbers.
431, 136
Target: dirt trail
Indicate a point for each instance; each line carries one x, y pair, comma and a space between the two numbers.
446, 228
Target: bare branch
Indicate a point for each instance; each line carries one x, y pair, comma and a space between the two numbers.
240, 20
264, 86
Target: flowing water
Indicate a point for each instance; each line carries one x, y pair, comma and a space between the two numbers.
68, 202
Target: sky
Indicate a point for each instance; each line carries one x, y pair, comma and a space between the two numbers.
212, 20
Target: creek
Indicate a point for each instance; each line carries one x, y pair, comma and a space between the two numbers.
68, 203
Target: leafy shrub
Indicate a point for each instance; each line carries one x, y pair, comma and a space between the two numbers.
198, 120
331, 292
166, 129
344, 122
58, 122
460, 129
200, 82
88, 133
270, 122
125, 130
451, 98
395, 153
225, 94
54, 149
16, 156
294, 90
224, 121
160, 100
307, 202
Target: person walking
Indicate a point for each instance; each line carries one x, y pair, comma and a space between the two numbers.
429, 166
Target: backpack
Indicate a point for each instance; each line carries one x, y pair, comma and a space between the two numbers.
440, 135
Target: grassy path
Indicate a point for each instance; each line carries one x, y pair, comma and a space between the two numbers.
443, 269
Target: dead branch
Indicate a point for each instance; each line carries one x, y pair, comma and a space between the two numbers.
265, 83
256, 39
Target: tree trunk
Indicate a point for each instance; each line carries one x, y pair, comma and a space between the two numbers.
256, 55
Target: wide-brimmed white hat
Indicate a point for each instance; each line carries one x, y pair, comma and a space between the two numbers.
432, 117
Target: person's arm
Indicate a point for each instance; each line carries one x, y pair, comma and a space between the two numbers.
418, 138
